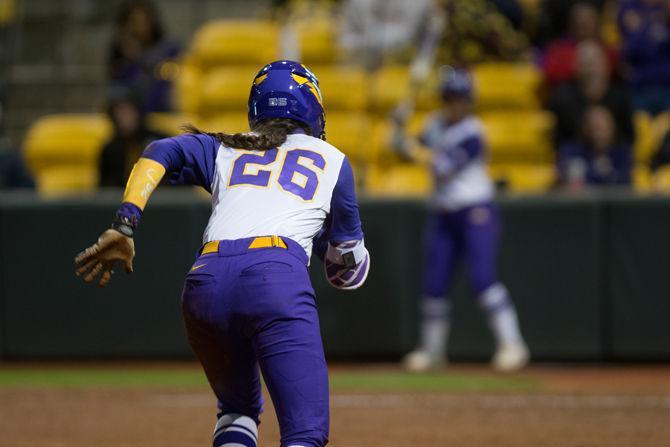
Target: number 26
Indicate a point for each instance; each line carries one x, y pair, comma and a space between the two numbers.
296, 176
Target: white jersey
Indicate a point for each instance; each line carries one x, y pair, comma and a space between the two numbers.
461, 144
285, 191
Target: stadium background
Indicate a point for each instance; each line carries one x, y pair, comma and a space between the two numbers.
586, 267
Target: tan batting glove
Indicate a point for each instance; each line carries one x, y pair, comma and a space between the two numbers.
100, 257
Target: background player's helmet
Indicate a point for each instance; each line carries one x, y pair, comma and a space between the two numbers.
287, 89
455, 83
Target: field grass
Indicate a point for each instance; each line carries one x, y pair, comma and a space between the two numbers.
374, 380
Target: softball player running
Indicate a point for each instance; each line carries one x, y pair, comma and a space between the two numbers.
247, 301
464, 225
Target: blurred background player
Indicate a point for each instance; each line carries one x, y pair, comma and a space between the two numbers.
248, 301
464, 225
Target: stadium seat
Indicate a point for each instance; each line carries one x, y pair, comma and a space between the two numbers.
649, 133
352, 133
524, 178
62, 151
400, 180
501, 85
187, 89
390, 86
642, 179
226, 89
382, 132
169, 123
229, 122
519, 136
226, 42
343, 88
317, 40
661, 180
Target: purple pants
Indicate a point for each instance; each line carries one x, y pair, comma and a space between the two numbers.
470, 234
249, 308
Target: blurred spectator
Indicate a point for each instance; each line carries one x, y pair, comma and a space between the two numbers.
597, 158
129, 140
645, 30
554, 18
592, 86
375, 30
13, 172
560, 58
141, 57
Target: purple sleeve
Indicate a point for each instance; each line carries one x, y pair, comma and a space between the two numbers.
188, 159
345, 222
446, 163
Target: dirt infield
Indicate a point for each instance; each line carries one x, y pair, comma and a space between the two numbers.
543, 406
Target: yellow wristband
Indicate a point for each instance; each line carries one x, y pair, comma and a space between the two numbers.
144, 178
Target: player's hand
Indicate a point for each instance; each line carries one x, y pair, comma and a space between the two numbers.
100, 257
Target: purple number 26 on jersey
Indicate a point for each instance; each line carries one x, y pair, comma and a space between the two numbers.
299, 179
261, 178
295, 177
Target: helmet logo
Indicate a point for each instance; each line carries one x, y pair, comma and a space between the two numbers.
260, 79
312, 86
277, 102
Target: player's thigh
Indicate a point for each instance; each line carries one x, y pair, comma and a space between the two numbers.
481, 237
290, 352
441, 251
218, 341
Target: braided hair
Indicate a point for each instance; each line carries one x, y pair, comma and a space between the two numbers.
267, 134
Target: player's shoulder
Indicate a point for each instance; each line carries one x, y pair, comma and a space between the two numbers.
469, 127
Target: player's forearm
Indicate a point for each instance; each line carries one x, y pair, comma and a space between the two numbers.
144, 178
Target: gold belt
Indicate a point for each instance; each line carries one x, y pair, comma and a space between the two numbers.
257, 242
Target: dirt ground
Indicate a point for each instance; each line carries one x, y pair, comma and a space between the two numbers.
575, 406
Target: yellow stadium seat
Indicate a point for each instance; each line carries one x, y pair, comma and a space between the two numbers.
60, 180
317, 40
382, 132
506, 85
345, 88
519, 136
187, 89
401, 180
661, 180
169, 123
524, 178
390, 86
642, 179
229, 122
649, 133
352, 134
225, 42
62, 151
8, 10
226, 89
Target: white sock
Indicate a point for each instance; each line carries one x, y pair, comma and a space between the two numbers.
235, 430
435, 325
501, 315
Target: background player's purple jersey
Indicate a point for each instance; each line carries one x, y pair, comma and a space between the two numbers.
459, 163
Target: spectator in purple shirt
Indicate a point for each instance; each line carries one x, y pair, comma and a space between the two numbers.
141, 56
598, 158
645, 30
